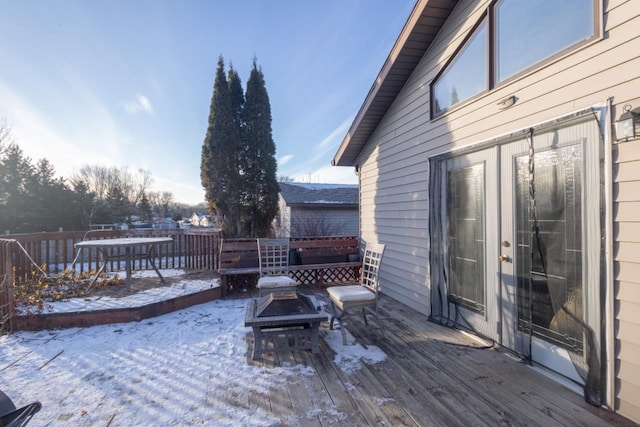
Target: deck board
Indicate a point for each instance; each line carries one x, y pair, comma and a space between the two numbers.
433, 375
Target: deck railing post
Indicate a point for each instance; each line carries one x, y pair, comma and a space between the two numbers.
7, 305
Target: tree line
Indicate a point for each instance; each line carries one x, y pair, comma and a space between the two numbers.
238, 167
33, 199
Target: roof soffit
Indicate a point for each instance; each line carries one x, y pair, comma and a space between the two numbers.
421, 28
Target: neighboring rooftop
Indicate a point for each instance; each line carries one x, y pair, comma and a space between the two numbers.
346, 195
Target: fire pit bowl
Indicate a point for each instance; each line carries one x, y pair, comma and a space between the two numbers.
284, 303
284, 320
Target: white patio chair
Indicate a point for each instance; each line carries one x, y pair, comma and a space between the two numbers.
273, 256
365, 295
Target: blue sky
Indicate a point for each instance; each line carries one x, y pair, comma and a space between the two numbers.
129, 83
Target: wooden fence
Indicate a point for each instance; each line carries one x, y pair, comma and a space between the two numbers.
21, 256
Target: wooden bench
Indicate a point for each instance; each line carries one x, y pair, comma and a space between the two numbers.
319, 260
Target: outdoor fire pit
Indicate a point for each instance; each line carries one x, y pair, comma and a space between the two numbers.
284, 320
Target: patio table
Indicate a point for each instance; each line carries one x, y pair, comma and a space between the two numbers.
104, 247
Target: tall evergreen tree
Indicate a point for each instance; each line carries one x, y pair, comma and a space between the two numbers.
235, 149
119, 207
16, 172
82, 206
218, 171
258, 159
144, 207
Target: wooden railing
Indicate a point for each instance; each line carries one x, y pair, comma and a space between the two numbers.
22, 255
319, 260
55, 252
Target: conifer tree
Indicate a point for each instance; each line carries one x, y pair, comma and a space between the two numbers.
218, 171
237, 102
258, 159
144, 208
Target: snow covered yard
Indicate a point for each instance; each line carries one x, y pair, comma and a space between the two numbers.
185, 368
191, 367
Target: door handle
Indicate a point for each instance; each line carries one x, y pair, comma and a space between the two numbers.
504, 258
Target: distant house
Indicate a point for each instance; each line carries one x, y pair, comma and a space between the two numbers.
199, 219
317, 210
165, 224
492, 167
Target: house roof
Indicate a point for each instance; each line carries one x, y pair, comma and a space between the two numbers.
314, 195
418, 33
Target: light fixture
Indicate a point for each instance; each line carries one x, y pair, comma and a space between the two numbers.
507, 102
628, 125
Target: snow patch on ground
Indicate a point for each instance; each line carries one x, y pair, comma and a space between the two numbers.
189, 367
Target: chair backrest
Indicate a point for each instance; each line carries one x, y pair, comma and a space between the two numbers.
274, 257
370, 266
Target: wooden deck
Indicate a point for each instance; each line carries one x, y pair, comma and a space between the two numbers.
433, 375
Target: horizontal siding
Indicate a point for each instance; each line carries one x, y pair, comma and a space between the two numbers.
626, 172
626, 151
626, 211
627, 291
626, 251
626, 272
626, 231
628, 311
626, 191
394, 171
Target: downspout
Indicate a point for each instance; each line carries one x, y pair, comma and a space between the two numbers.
356, 170
608, 249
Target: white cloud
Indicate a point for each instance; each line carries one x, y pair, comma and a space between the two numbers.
285, 159
71, 144
140, 104
190, 192
335, 137
315, 168
66, 144
329, 175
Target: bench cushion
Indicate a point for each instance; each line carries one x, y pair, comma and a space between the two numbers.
350, 293
275, 282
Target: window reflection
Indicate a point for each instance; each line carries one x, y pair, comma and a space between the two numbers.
467, 74
528, 32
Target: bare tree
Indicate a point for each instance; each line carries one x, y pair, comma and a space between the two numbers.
314, 223
134, 185
161, 202
100, 180
103, 181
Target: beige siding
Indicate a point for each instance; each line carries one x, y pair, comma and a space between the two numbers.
394, 165
626, 198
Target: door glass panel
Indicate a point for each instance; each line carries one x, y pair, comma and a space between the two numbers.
549, 261
465, 207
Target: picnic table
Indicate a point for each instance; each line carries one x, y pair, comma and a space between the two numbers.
111, 249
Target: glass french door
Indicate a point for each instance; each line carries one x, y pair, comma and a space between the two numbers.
521, 240
550, 253
469, 232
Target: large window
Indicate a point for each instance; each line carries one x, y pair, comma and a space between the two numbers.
466, 75
525, 33
528, 32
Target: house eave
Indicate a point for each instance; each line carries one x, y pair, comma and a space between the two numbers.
312, 205
421, 28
